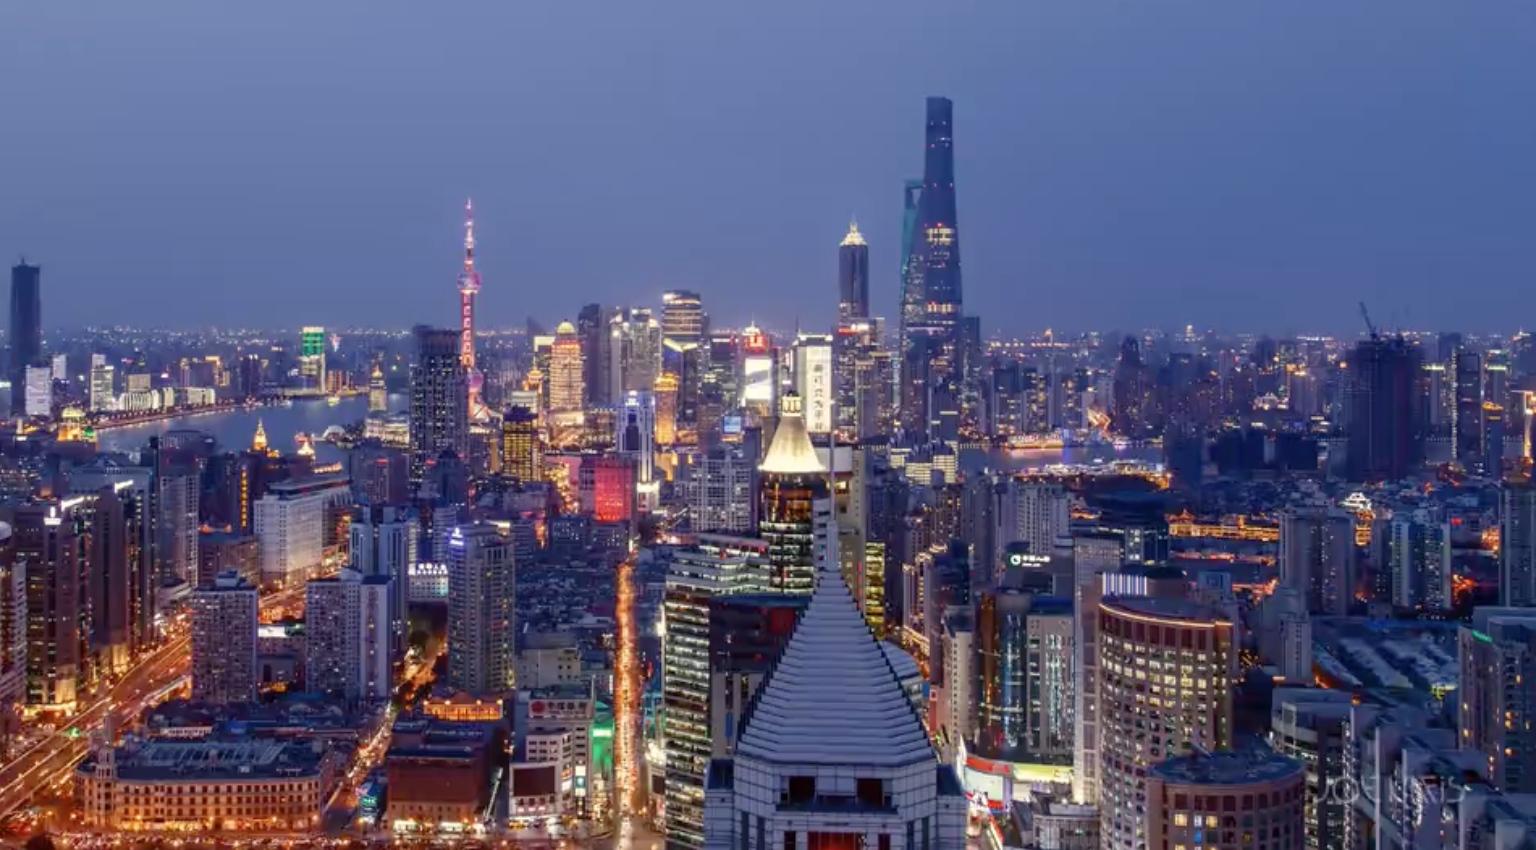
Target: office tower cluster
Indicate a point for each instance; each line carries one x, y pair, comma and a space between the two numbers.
838, 585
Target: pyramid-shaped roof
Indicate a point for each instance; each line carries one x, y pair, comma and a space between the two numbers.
833, 698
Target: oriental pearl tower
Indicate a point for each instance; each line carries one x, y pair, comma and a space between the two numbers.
469, 285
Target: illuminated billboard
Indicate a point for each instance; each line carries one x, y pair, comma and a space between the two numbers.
813, 381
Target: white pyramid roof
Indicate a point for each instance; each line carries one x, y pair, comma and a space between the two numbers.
833, 698
791, 452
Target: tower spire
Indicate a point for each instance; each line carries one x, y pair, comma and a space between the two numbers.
469, 240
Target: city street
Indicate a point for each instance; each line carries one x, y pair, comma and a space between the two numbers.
52, 758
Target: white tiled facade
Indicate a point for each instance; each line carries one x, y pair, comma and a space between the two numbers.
833, 754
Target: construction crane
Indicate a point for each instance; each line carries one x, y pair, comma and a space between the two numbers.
1366, 315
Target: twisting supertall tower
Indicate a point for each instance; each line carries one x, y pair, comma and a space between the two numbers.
469, 286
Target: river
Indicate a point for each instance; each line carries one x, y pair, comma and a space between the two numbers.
233, 428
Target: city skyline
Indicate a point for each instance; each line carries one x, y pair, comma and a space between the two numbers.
1314, 173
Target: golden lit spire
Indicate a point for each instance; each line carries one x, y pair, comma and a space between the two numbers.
854, 237
259, 441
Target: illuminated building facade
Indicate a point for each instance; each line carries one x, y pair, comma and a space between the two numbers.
312, 358
814, 381
1165, 672
566, 383
482, 619
348, 633
718, 488
224, 617
1226, 800
1496, 654
161, 785
1024, 683
378, 394
469, 287
522, 452
718, 566
793, 481
607, 487
51, 543
682, 318
666, 409
634, 351
103, 396
760, 374
291, 528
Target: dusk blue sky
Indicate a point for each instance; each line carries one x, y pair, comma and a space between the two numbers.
1243, 164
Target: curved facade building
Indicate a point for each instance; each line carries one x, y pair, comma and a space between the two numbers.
1250, 800
1164, 682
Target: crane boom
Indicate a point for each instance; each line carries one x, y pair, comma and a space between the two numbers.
1366, 315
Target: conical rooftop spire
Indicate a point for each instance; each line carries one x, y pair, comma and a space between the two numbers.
791, 452
854, 237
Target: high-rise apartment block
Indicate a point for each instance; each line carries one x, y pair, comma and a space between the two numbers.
1165, 673
224, 617
439, 399
291, 532
348, 632
1317, 557
482, 617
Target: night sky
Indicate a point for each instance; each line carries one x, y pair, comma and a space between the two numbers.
1242, 164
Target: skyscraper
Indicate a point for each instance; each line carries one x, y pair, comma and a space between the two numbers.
384, 542
439, 411
932, 293
51, 541
1144, 719
716, 566
522, 455
1384, 410
793, 481
1317, 557
26, 340
566, 389
224, 640
852, 277
312, 358
832, 749
1024, 683
482, 619
1517, 543
347, 636
592, 327
1496, 655
682, 318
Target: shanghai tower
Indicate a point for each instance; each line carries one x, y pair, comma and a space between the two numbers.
929, 350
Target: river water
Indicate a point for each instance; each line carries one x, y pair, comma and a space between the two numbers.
233, 429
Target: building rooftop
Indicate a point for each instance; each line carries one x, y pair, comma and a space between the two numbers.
1171, 608
833, 698
791, 452
173, 761
1227, 767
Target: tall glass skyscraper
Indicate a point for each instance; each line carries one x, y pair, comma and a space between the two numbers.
26, 328
931, 288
